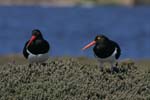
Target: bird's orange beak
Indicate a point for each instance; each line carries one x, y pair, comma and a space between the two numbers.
89, 45
31, 40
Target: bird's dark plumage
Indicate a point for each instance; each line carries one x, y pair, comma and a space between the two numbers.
25, 53
37, 46
105, 50
105, 47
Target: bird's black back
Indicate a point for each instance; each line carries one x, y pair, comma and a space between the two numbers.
39, 46
106, 49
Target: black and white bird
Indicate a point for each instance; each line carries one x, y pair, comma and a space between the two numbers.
105, 50
36, 50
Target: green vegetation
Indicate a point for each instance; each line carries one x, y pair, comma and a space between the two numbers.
74, 79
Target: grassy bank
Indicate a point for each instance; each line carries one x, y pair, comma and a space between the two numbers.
66, 78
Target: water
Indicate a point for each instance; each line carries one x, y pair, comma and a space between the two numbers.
69, 29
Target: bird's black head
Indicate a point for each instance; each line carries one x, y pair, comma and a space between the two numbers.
101, 38
37, 33
98, 39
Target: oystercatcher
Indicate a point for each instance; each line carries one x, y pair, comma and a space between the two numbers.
105, 50
36, 50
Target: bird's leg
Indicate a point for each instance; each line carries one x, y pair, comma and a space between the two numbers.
30, 65
116, 64
44, 64
114, 67
101, 65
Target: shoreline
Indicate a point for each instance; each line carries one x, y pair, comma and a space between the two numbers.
66, 3
19, 59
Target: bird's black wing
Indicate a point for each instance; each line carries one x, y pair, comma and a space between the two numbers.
47, 46
118, 50
25, 53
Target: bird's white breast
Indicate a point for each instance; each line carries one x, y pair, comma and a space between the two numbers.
39, 58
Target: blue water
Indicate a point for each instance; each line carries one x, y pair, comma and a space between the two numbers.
68, 29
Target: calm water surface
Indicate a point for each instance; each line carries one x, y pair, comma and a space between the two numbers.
69, 29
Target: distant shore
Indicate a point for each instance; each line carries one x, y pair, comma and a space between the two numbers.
74, 2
